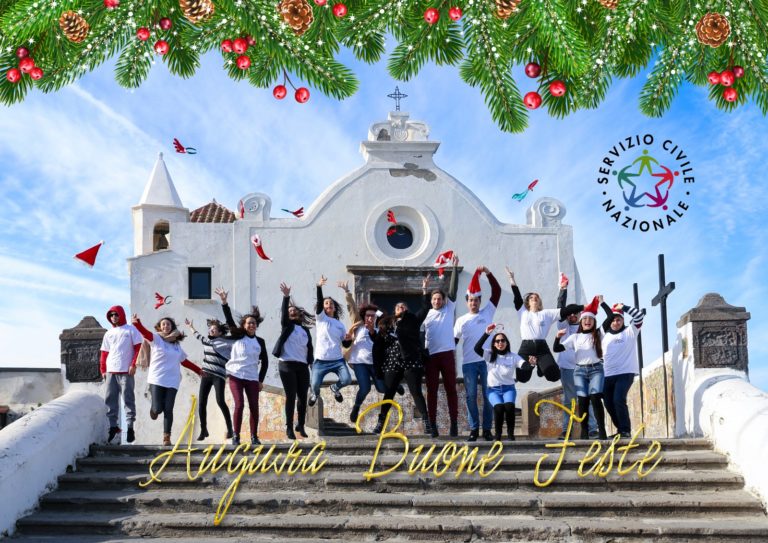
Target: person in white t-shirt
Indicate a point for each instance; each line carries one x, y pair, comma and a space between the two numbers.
165, 360
438, 328
503, 364
469, 328
119, 350
328, 346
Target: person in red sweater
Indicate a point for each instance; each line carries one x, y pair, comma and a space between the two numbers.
117, 363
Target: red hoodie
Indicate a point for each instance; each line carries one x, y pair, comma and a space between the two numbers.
121, 322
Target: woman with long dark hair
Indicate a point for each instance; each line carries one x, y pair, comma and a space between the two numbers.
503, 364
295, 354
165, 359
589, 376
246, 370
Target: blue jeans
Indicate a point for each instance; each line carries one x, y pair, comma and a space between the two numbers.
569, 393
588, 380
472, 371
323, 367
364, 373
615, 399
501, 394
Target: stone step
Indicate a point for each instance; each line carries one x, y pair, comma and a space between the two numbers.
513, 460
708, 504
255, 538
669, 480
382, 527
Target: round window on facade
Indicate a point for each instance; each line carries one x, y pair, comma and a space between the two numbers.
399, 237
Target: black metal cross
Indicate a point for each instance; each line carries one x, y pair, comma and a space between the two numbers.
665, 289
397, 96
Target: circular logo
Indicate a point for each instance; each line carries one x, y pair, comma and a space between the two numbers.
646, 183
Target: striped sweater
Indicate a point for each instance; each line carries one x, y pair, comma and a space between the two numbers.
216, 353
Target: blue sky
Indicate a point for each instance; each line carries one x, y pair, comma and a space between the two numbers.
76, 161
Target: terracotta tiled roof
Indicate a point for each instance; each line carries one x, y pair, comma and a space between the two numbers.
213, 212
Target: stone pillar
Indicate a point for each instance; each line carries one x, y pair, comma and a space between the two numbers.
718, 334
80, 348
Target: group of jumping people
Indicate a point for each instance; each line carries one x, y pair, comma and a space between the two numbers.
597, 365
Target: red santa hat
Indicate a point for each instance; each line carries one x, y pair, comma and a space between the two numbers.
256, 242
591, 309
618, 310
442, 260
474, 289
89, 255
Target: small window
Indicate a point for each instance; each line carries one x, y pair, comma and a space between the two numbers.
199, 283
161, 236
400, 237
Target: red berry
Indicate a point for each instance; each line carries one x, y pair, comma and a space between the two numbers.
431, 15
240, 46
727, 78
249, 39
730, 94
455, 13
557, 88
713, 78
738, 71
302, 95
13, 75
226, 46
321, 2
161, 47
532, 100
26, 64
279, 92
339, 10
143, 33
243, 62
36, 73
532, 69
23, 52
166, 23
111, 4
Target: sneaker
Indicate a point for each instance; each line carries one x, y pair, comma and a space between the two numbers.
625, 435
131, 437
336, 393
235, 440
166, 439
229, 434
454, 432
593, 434
354, 414
378, 428
203, 434
113, 431
255, 440
510, 436
400, 390
430, 428
487, 435
312, 399
473, 435
152, 414
301, 431
289, 434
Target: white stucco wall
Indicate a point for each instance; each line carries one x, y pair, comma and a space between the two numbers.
38, 447
24, 390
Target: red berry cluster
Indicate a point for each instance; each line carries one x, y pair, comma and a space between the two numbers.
432, 15
26, 66
532, 100
727, 78
239, 46
281, 91
111, 4
165, 24
339, 10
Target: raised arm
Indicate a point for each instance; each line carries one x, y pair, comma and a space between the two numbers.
609, 314
320, 283
425, 305
286, 290
146, 334
481, 342
354, 315
225, 307
637, 315
518, 298
191, 366
495, 287
454, 285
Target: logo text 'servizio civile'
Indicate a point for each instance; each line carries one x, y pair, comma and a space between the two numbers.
646, 183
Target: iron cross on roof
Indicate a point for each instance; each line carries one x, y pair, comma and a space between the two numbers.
397, 96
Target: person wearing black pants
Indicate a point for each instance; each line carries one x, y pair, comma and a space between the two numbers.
294, 351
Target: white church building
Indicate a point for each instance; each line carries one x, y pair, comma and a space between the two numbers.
343, 235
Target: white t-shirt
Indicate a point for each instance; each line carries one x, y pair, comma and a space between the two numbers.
330, 334
583, 347
361, 351
535, 325
119, 342
244, 363
502, 370
619, 352
567, 359
165, 363
295, 346
439, 328
470, 328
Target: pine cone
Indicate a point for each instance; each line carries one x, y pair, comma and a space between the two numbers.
713, 29
505, 8
74, 27
297, 14
196, 10
609, 4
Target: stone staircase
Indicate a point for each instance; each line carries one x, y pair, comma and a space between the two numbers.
690, 496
